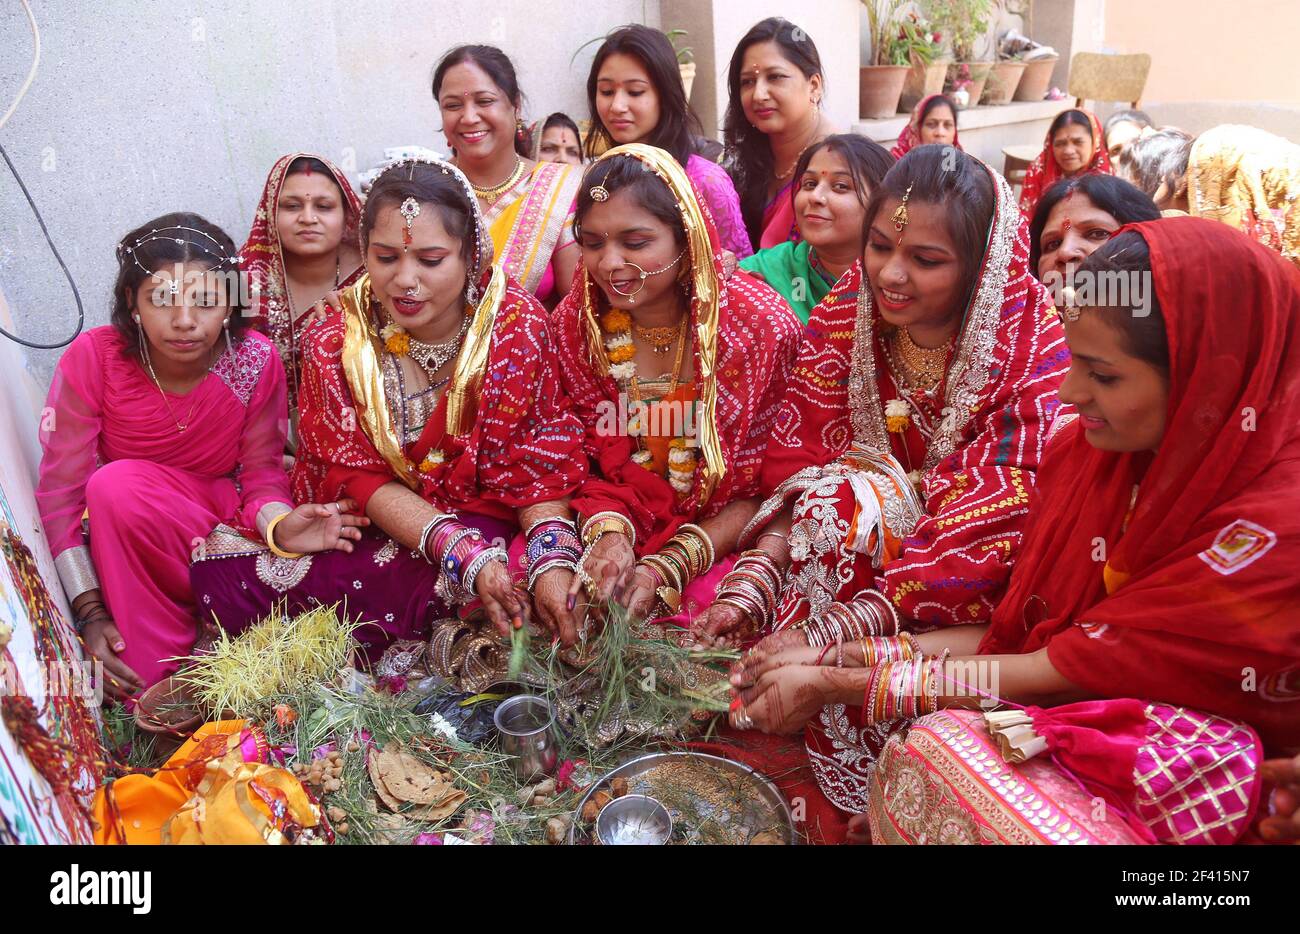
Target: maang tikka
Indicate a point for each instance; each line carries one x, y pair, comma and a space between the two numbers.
410, 210
899, 217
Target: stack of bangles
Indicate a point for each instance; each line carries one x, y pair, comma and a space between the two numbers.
459, 551
753, 586
552, 543
682, 559
869, 614
904, 689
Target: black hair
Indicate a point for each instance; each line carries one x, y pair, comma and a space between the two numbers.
1135, 117
749, 156
1144, 335
935, 101
562, 120
677, 123
868, 162
939, 174
140, 255
497, 65
431, 187
305, 165
1161, 157
626, 172
1113, 195
1064, 119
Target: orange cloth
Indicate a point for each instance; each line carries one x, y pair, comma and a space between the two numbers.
209, 765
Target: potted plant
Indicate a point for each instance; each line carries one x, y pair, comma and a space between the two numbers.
880, 84
965, 23
1040, 60
926, 54
685, 59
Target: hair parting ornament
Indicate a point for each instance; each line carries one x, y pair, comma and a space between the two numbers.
156, 234
410, 210
899, 217
599, 193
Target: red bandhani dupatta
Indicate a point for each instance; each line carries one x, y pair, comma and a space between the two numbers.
1043, 172
523, 445
976, 464
1199, 602
747, 355
262, 259
911, 135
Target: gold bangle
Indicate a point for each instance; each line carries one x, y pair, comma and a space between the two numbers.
270, 538
607, 521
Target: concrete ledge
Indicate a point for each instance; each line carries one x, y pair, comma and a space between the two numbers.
888, 129
984, 131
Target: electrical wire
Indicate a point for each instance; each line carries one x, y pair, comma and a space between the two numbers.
81, 311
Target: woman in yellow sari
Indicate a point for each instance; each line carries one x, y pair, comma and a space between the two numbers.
528, 206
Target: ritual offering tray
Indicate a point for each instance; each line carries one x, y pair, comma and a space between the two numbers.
710, 800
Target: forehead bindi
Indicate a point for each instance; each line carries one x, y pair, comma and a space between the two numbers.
465, 81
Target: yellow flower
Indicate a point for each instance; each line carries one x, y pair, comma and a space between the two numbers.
432, 460
398, 343
621, 354
615, 321
897, 416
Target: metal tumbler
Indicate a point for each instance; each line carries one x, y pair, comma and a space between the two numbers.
526, 726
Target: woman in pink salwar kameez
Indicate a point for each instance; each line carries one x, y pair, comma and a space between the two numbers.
158, 427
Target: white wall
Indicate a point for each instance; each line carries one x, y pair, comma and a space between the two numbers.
142, 107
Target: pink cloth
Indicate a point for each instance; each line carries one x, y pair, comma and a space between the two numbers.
779, 224
112, 449
716, 190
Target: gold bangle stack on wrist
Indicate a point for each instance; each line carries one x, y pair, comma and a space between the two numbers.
270, 539
684, 557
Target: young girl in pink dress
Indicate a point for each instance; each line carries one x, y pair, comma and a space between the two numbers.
158, 427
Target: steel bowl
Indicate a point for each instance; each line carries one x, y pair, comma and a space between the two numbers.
634, 820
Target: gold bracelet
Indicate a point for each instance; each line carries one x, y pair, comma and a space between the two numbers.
270, 538
608, 521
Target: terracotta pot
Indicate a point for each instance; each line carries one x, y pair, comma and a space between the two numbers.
1036, 80
688, 76
922, 81
1003, 82
979, 74
167, 712
879, 88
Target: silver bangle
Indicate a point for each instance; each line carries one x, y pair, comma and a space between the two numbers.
470, 577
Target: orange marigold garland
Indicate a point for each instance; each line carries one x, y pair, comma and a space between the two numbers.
620, 351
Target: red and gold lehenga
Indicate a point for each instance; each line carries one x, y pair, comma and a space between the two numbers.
262, 259
920, 515
744, 339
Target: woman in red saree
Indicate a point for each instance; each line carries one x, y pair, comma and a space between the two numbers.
1074, 146
432, 400
933, 120
680, 447
938, 385
157, 427
302, 245
1152, 615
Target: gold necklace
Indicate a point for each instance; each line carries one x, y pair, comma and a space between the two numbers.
920, 367
492, 192
661, 339
635, 393
180, 428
